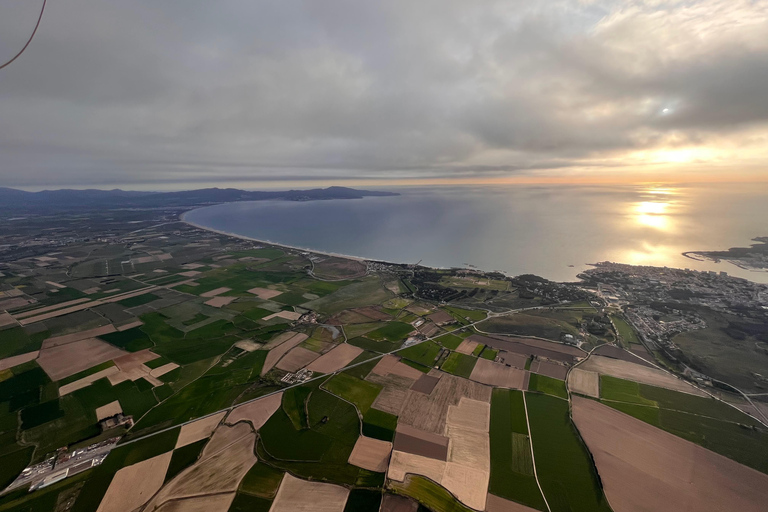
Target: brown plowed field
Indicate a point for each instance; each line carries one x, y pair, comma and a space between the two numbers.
467, 347
336, 359
257, 412
295, 495
134, 485
638, 373
441, 317
280, 350
530, 346
556, 371
385, 364
425, 384
419, 442
296, 359
10, 362
392, 396
65, 360
647, 469
498, 375
428, 412
513, 359
496, 504
264, 293
619, 353
395, 503
371, 454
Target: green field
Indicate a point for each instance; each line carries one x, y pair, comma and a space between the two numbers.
363, 500
244, 502
449, 341
366, 292
379, 425
512, 475
459, 364
547, 385
626, 333
360, 392
424, 353
16, 341
564, 466
466, 316
184, 457
261, 480
428, 494
392, 331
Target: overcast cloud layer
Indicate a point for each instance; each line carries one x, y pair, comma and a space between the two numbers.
171, 92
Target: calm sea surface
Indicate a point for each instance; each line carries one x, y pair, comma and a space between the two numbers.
551, 231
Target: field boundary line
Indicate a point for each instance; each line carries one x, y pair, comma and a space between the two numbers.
533, 457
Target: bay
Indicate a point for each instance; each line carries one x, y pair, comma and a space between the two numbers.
553, 231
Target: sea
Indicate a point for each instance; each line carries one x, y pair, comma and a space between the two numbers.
554, 231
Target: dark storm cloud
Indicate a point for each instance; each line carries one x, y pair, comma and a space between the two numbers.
136, 92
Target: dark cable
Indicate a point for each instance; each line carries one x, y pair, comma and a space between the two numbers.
30, 37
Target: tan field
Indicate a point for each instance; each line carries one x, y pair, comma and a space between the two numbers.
65, 360
469, 448
135, 359
371, 454
584, 382
257, 412
77, 336
162, 370
248, 345
282, 338
218, 302
403, 463
86, 305
496, 504
134, 485
469, 452
638, 373
498, 375
6, 319
130, 325
109, 410
556, 371
467, 347
469, 485
225, 460
198, 430
297, 358
46, 309
217, 291
406, 371
393, 394
647, 469
335, 359
190, 273
385, 364
288, 315
470, 414
10, 362
225, 436
428, 412
264, 293
514, 359
280, 350
295, 495
199, 504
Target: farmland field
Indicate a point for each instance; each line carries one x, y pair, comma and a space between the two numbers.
511, 465
564, 466
459, 364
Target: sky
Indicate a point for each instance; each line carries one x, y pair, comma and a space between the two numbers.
171, 95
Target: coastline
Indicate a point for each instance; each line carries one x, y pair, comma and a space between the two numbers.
182, 218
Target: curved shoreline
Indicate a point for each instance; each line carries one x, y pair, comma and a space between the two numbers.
183, 219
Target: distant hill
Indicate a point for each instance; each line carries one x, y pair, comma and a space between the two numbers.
68, 199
